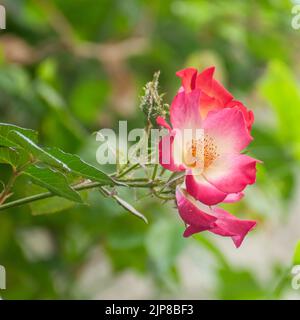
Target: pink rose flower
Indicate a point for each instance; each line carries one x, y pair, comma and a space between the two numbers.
216, 170
199, 217
214, 95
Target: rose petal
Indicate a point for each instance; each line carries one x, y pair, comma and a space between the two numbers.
227, 127
188, 78
231, 173
233, 197
216, 220
248, 114
212, 87
169, 153
162, 122
228, 225
184, 111
192, 212
202, 190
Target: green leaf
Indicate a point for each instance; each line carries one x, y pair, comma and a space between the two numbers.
53, 181
130, 208
80, 167
6, 129
13, 157
50, 205
37, 152
125, 204
296, 258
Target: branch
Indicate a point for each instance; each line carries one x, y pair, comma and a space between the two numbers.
5, 194
90, 185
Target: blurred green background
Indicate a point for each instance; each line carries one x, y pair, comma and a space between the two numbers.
69, 68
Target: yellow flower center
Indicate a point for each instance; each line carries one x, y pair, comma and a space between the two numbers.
200, 153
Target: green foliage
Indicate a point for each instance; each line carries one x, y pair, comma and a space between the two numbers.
50, 205
50, 83
87, 99
164, 253
239, 285
296, 257
35, 151
53, 181
13, 157
282, 91
79, 167
9, 140
19, 149
129, 207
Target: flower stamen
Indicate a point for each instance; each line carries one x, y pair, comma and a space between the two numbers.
201, 153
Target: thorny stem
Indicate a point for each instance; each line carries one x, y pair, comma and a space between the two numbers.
107, 193
156, 185
16, 172
90, 185
122, 174
125, 182
5, 194
154, 172
134, 180
165, 198
169, 182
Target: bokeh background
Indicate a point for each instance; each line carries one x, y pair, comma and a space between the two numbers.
69, 68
